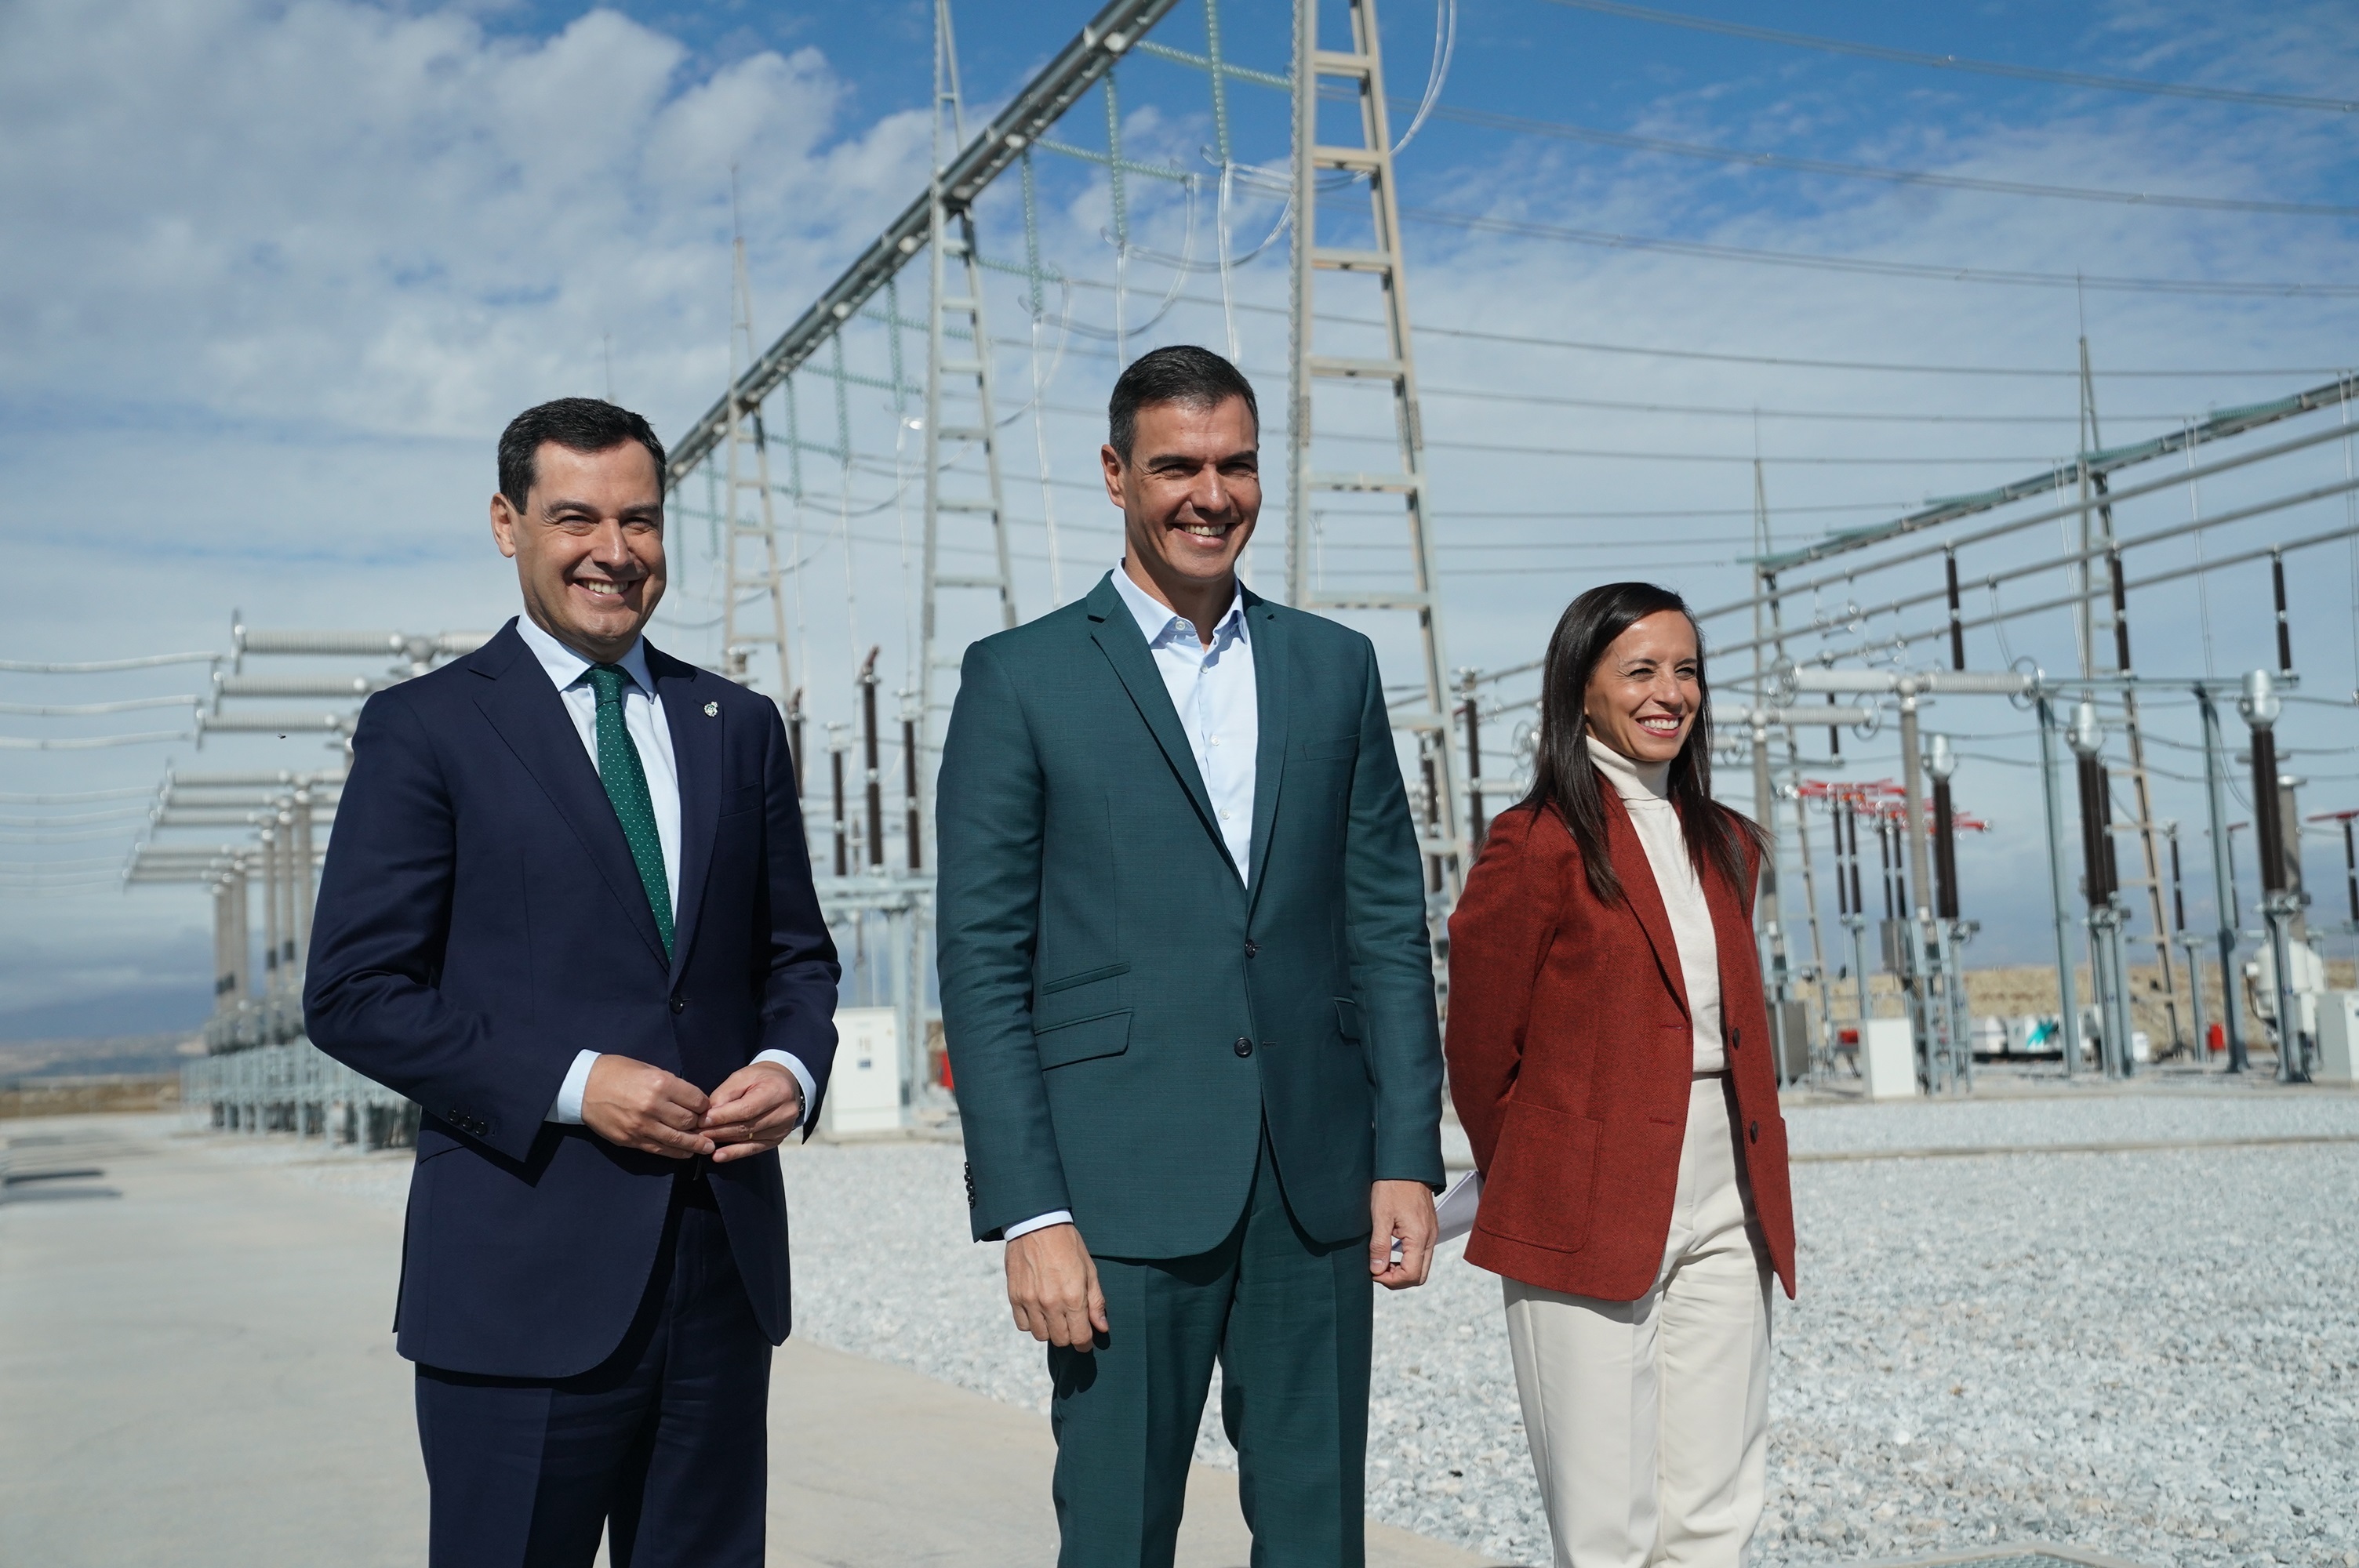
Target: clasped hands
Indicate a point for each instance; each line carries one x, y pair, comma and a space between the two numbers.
644, 1107
1052, 1280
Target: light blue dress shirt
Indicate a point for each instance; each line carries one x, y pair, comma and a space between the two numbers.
1212, 691
643, 720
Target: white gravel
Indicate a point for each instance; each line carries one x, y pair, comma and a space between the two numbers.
2151, 1354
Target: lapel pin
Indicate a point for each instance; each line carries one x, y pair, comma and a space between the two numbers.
712, 710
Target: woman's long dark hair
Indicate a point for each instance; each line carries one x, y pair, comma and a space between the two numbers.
1564, 777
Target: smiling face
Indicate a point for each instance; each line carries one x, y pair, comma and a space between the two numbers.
1190, 495
588, 544
1645, 692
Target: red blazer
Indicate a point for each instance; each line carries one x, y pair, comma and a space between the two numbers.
1570, 1056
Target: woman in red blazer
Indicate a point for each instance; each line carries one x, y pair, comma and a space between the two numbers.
1609, 1057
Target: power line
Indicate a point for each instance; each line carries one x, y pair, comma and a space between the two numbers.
1646, 350
86, 709
1554, 514
1729, 411
1954, 62
1702, 250
1512, 450
102, 666
1625, 140
92, 742
78, 797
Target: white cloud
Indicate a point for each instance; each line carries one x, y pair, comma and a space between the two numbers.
329, 213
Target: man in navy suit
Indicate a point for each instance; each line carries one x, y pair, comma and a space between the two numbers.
569, 911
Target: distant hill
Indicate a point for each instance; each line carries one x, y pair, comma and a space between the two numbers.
99, 1056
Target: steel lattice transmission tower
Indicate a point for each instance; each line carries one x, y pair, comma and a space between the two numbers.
959, 411
742, 526
1371, 163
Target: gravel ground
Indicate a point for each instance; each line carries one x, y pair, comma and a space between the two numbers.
2151, 1354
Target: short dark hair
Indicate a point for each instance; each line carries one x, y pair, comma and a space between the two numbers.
1181, 374
577, 424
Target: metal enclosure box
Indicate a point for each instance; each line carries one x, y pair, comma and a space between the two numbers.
864, 1091
1791, 1021
1887, 1058
2338, 1037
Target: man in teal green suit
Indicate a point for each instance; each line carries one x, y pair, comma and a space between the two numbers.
1189, 998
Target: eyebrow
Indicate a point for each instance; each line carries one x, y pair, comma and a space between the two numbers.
1159, 458
553, 508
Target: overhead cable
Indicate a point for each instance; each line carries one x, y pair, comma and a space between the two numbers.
102, 666
1730, 411
1562, 131
91, 742
2012, 277
1789, 361
84, 709
78, 797
1954, 62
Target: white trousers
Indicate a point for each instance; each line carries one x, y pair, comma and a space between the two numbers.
1648, 1418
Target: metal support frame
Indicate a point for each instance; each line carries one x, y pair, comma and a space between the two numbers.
755, 525
1071, 71
2281, 900
2224, 878
949, 235
1369, 161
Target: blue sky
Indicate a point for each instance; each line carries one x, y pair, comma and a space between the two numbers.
280, 271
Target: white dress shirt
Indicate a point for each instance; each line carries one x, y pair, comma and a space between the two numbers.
1644, 789
1213, 690
643, 720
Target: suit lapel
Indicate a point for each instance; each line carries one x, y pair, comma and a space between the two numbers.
1117, 635
1637, 874
1265, 633
696, 749
529, 715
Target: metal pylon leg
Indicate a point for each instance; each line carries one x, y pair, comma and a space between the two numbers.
742, 526
959, 412
1362, 66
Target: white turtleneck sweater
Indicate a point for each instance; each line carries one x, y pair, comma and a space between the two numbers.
1644, 787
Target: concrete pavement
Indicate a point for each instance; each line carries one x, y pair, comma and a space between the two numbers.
195, 1367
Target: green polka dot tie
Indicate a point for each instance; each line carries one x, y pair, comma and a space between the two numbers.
626, 788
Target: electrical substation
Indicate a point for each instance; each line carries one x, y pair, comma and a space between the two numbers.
909, 465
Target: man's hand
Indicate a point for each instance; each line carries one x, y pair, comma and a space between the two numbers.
1403, 1211
1052, 1283
644, 1107
754, 1109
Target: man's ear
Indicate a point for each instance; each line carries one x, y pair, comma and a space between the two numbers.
504, 524
1111, 462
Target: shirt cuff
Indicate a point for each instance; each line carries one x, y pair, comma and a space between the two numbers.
567, 1108
1038, 1222
802, 1075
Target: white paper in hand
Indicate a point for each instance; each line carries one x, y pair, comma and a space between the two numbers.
1456, 1209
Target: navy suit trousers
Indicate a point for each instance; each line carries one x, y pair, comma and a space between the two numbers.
663, 1447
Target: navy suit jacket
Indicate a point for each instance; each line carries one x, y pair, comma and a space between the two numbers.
480, 922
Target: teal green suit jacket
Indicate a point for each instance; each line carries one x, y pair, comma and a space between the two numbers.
1124, 1013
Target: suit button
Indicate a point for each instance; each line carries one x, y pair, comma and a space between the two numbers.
1244, 1046
1735, 1038
1251, 950
1753, 1131
678, 1004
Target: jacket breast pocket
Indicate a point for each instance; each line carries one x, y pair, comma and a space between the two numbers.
1107, 1035
1343, 749
737, 800
1539, 1188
